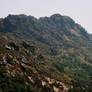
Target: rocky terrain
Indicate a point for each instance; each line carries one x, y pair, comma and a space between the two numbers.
49, 54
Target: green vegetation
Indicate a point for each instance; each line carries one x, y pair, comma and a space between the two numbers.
17, 84
32, 49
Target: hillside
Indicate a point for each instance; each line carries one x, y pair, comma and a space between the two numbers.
52, 54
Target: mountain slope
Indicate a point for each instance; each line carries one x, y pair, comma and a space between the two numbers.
56, 30
54, 52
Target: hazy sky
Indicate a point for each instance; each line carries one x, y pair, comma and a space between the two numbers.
79, 10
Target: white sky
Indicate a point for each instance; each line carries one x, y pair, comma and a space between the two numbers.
79, 10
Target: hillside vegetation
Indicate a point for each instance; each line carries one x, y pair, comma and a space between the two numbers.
49, 54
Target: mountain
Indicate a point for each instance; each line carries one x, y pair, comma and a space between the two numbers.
52, 54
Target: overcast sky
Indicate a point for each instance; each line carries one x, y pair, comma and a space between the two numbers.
79, 10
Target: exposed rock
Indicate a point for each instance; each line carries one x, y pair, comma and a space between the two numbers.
8, 47
13, 46
44, 83
31, 79
27, 46
24, 60
4, 60
56, 89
